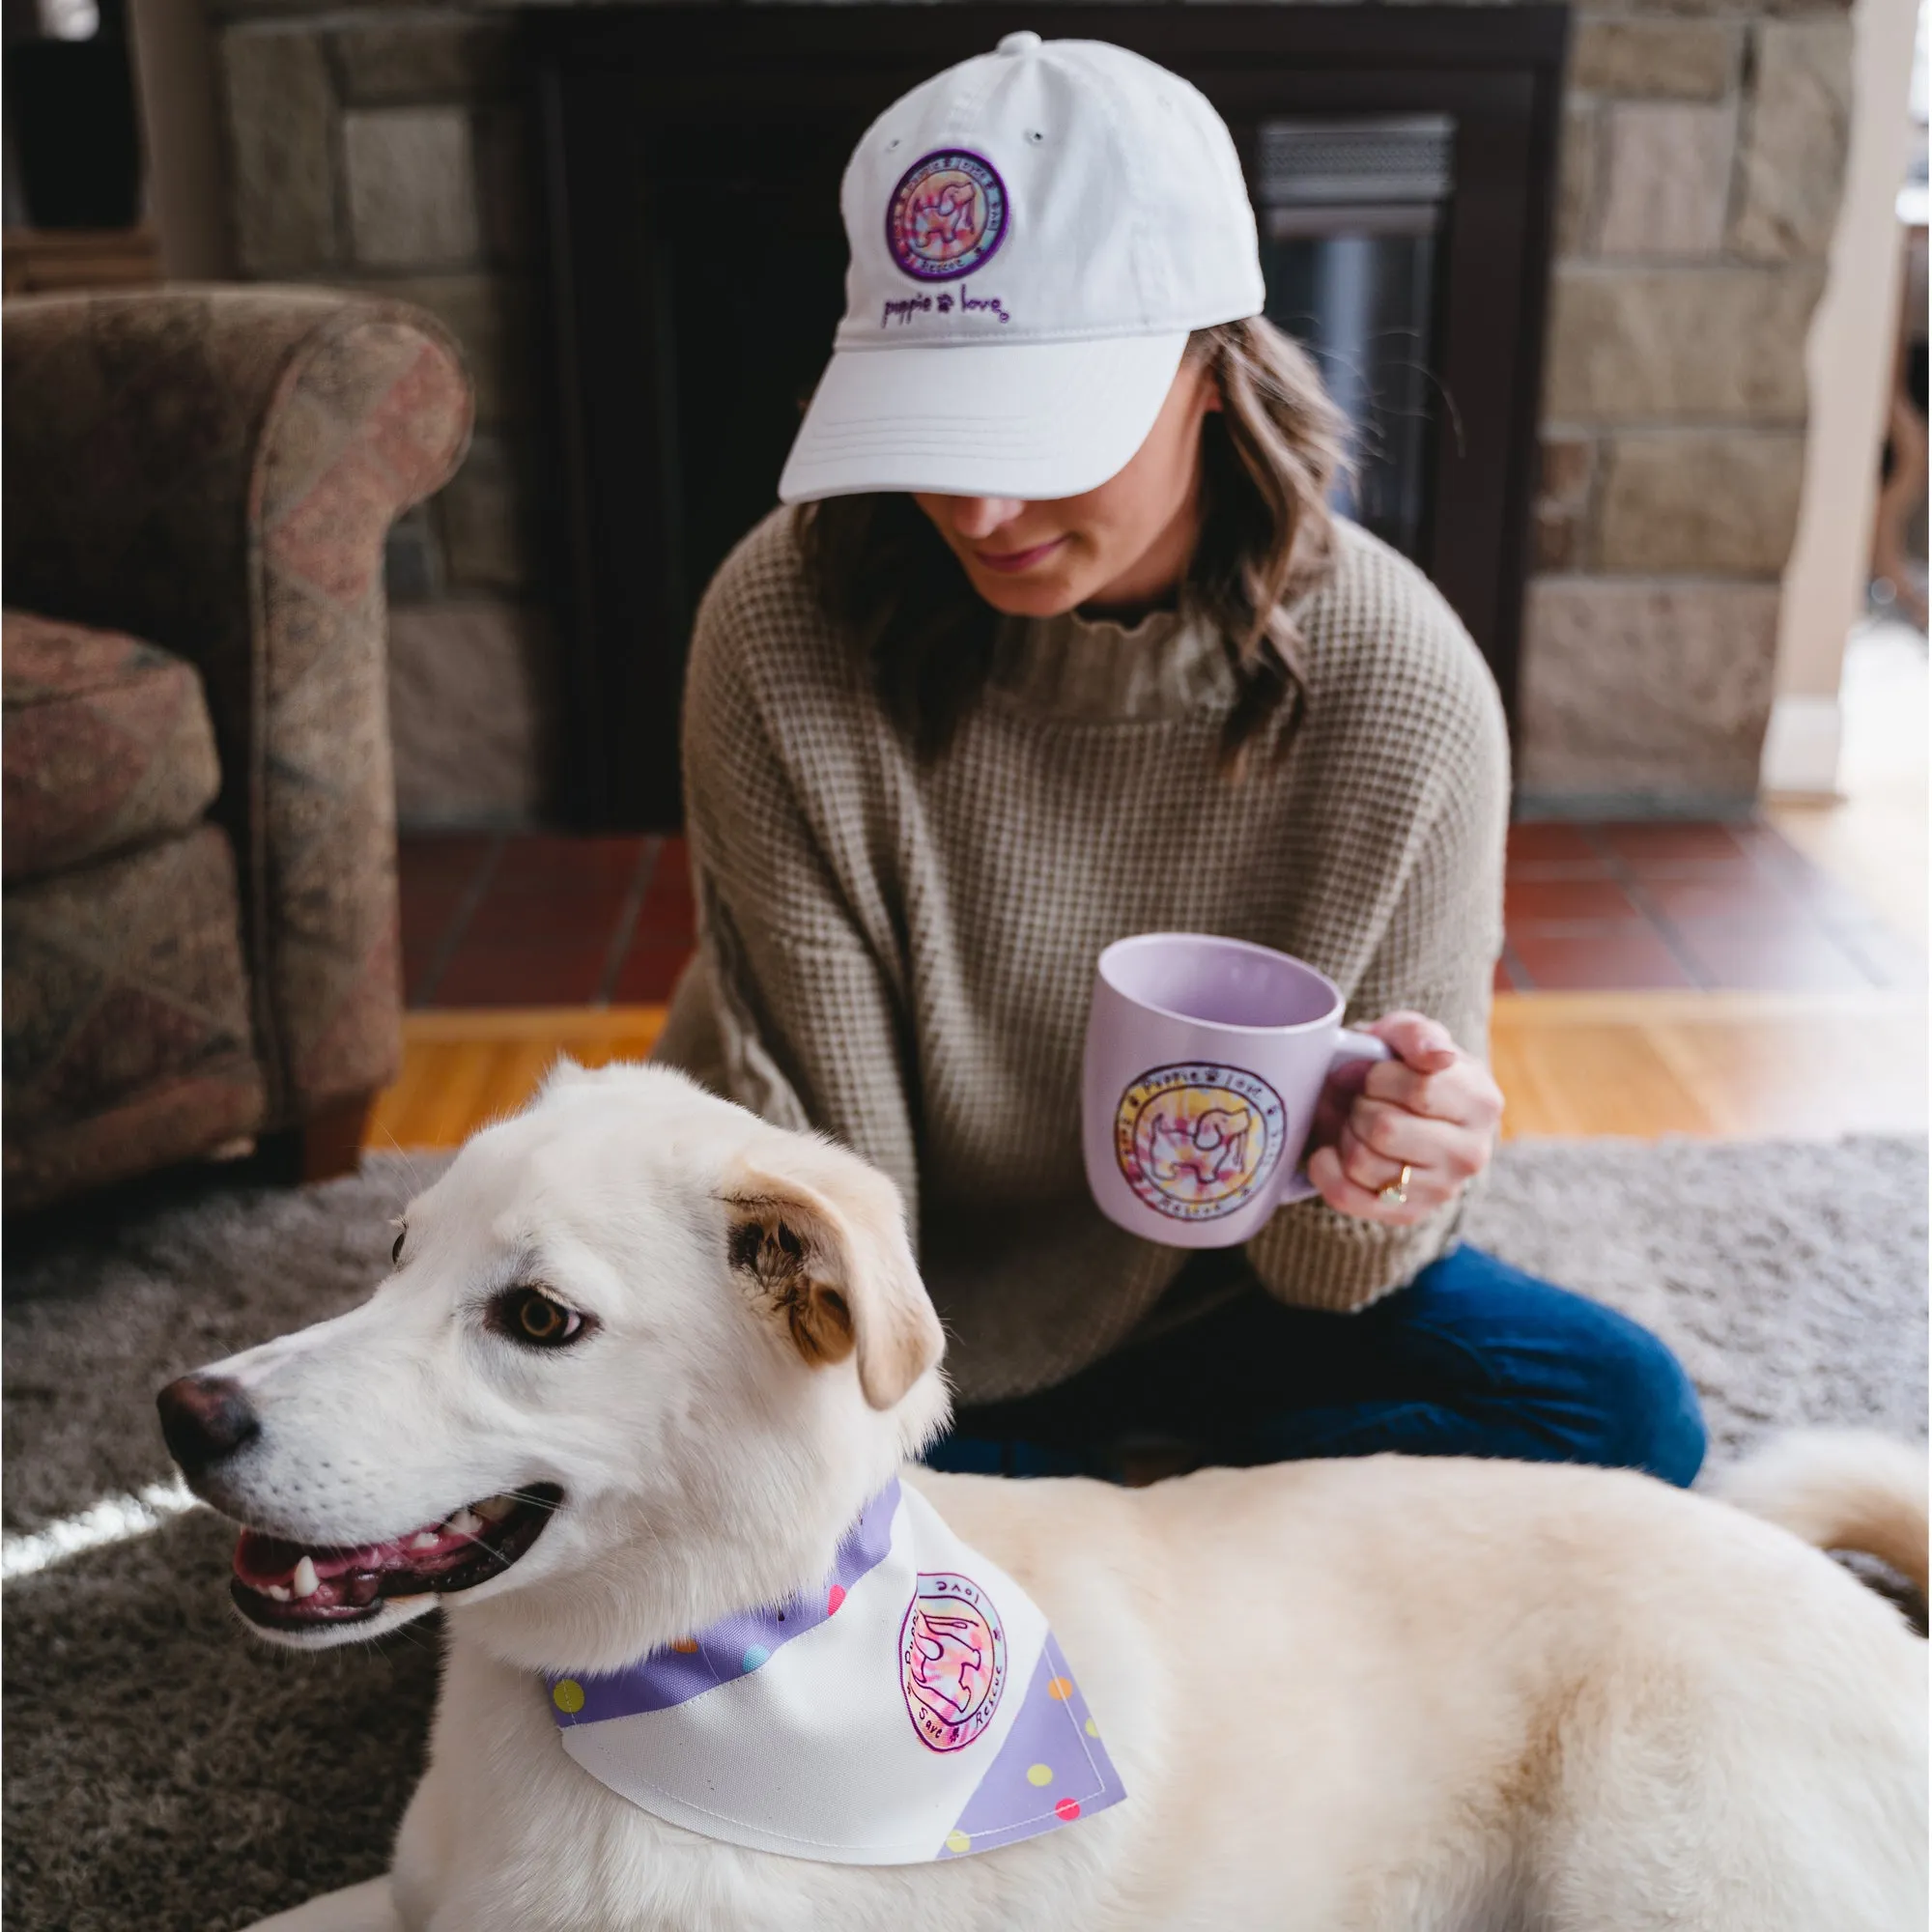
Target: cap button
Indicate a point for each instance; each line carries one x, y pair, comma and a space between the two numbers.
1025, 42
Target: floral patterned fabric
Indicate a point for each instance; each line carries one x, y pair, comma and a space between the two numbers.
127, 1038
107, 745
213, 471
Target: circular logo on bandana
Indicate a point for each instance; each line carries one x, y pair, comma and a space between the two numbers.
952, 1659
1198, 1141
947, 216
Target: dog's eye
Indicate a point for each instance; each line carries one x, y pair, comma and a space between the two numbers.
528, 1316
396, 1253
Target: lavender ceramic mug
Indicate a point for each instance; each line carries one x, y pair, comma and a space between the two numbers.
1206, 1059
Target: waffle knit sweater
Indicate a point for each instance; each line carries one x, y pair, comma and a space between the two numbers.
900, 954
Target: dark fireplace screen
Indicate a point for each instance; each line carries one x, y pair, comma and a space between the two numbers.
689, 171
1351, 216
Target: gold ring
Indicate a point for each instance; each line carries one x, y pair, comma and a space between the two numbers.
1396, 1193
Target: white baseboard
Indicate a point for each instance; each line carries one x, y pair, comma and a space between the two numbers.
1801, 746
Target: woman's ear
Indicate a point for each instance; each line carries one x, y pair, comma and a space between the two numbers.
1207, 392
829, 1258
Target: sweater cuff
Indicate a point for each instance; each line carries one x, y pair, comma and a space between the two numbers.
1309, 1255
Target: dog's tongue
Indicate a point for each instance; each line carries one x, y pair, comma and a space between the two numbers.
266, 1562
261, 1560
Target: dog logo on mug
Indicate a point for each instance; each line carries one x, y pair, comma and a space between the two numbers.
1196, 1142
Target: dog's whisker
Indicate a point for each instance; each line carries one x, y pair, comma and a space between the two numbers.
495, 1555
412, 1636
410, 1166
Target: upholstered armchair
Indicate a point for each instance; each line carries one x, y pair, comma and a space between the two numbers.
200, 880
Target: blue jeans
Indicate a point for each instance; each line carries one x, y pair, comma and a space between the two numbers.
1473, 1358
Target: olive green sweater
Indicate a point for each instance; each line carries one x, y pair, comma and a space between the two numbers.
900, 954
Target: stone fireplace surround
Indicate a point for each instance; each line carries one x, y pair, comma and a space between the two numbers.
1702, 155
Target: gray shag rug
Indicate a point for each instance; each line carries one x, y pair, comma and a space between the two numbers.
164, 1769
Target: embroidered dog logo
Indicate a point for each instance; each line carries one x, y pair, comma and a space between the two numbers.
1197, 1142
952, 1659
947, 217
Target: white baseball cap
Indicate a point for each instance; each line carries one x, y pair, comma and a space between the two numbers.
1035, 234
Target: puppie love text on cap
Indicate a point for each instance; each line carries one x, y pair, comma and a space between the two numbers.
1033, 234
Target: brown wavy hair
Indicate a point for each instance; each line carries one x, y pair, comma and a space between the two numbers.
1269, 454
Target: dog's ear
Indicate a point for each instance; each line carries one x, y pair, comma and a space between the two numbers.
830, 1258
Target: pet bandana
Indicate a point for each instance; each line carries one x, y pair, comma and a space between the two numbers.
915, 1707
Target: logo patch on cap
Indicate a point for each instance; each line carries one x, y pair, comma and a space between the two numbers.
947, 216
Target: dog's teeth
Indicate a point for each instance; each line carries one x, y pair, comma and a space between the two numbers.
424, 1539
305, 1582
278, 1592
494, 1509
465, 1522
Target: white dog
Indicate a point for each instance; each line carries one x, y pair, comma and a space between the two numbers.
643, 1358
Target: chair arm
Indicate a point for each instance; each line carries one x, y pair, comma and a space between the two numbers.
215, 470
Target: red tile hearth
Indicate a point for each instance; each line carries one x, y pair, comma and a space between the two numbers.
538, 919
1649, 904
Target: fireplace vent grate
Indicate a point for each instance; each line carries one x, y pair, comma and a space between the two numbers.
1403, 158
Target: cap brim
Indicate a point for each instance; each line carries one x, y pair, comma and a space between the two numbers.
1034, 420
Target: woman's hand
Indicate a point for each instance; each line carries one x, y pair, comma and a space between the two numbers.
1431, 1109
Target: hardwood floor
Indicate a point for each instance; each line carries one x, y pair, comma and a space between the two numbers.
1726, 1064
465, 1067
1570, 1064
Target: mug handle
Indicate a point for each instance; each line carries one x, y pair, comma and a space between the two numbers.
1349, 1045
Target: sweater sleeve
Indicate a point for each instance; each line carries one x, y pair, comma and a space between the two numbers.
790, 1006
1437, 956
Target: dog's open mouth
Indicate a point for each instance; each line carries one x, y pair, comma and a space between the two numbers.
283, 1585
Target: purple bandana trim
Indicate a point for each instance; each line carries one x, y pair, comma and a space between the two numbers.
675, 1674
1052, 1769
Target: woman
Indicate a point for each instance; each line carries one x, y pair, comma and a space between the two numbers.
1062, 642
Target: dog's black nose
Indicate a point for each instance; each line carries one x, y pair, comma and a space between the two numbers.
205, 1418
